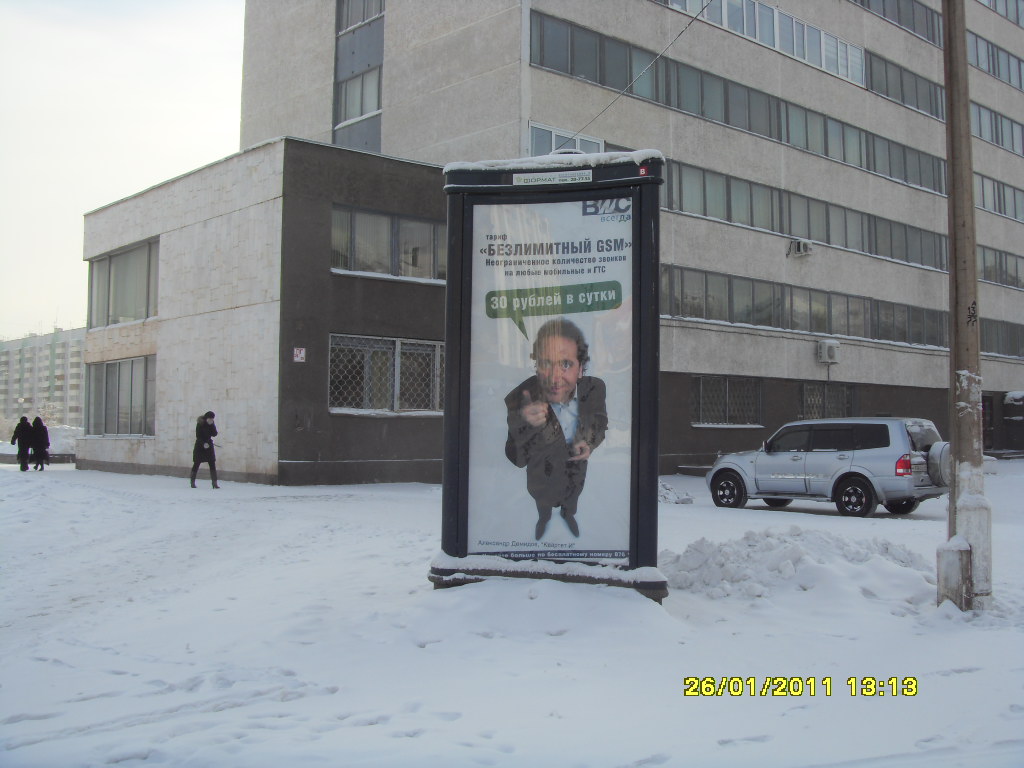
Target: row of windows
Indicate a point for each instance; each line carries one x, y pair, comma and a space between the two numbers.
357, 97
714, 296
1000, 267
122, 286
909, 89
997, 197
996, 61
369, 373
705, 193
734, 400
362, 241
121, 397
351, 13
1011, 9
557, 45
997, 129
912, 15
770, 26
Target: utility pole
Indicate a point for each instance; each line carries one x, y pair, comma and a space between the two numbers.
965, 560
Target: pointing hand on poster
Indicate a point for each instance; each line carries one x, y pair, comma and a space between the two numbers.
534, 412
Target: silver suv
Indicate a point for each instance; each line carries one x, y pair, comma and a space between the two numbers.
856, 463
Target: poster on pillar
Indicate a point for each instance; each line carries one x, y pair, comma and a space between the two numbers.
551, 379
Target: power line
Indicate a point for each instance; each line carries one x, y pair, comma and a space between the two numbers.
643, 71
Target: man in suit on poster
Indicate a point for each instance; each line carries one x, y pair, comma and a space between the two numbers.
556, 419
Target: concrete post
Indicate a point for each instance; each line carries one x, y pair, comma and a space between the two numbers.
968, 581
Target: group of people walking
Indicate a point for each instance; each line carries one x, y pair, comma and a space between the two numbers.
33, 441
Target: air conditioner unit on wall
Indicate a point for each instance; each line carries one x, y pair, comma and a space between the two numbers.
828, 351
799, 248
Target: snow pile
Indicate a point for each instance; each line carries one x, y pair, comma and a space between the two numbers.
759, 564
669, 495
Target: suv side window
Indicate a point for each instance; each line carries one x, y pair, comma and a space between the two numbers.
832, 438
870, 436
790, 440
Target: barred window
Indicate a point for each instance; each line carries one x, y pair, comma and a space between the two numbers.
726, 400
369, 373
823, 400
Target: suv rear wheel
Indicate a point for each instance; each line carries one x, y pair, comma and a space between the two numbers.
855, 497
727, 490
903, 506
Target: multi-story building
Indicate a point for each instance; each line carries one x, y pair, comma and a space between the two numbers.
42, 375
804, 243
803, 226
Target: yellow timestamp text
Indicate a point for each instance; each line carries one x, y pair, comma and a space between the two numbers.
798, 686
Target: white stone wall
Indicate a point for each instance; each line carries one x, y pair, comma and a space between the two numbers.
216, 335
288, 70
451, 87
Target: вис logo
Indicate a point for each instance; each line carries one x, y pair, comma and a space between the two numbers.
607, 207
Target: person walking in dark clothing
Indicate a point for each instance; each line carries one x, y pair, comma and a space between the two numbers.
40, 444
23, 437
203, 452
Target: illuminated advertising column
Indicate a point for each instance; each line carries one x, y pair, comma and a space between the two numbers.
551, 370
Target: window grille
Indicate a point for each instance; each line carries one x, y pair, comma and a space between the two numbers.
827, 401
368, 373
726, 400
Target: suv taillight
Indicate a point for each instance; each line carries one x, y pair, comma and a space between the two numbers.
903, 466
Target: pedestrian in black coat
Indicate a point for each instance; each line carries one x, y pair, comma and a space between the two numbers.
40, 444
202, 452
23, 437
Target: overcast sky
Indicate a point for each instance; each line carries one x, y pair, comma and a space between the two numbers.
100, 99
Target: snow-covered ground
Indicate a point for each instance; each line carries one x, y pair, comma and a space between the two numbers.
143, 623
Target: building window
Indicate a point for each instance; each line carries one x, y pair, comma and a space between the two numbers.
121, 397
713, 195
358, 97
824, 400
990, 58
726, 400
713, 296
997, 197
680, 86
911, 90
363, 241
913, 16
392, 375
123, 286
760, 21
1011, 9
351, 13
544, 141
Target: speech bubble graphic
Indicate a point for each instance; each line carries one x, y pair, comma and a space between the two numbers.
517, 303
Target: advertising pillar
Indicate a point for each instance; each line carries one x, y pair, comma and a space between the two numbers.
550, 458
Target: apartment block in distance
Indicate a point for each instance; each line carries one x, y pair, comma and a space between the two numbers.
42, 375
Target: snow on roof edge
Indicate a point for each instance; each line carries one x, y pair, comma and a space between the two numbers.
566, 160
